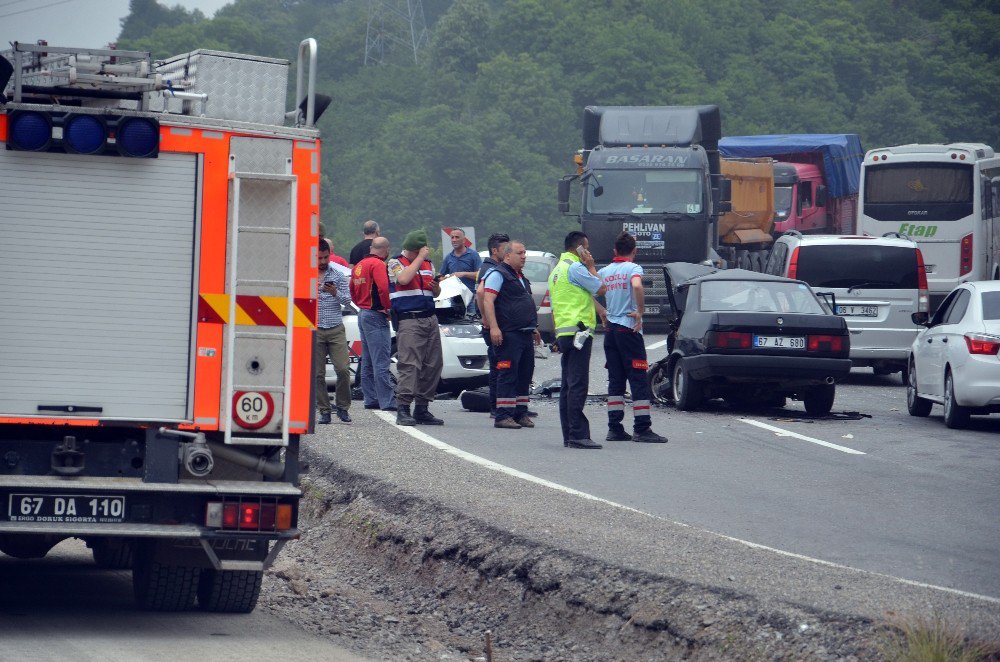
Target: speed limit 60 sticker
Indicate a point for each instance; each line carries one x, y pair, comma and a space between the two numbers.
252, 409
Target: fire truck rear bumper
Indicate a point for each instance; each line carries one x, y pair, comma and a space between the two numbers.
169, 517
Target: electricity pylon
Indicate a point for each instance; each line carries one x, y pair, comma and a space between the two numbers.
395, 26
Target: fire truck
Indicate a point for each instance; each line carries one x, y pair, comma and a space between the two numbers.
159, 223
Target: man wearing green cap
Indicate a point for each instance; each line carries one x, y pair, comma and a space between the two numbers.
412, 288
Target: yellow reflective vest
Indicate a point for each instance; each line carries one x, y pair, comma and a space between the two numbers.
570, 303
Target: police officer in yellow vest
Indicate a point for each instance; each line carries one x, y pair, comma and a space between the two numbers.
573, 284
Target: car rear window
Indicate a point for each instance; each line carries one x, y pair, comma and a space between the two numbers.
536, 272
858, 265
758, 296
991, 305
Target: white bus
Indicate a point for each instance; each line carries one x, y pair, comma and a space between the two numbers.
945, 197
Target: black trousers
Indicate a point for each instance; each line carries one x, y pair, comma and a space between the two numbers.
625, 353
515, 367
492, 356
573, 393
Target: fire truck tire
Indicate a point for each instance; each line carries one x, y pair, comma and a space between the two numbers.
113, 555
230, 591
162, 587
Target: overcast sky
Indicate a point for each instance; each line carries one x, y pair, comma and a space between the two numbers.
84, 23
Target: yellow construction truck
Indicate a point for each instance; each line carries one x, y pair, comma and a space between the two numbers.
745, 231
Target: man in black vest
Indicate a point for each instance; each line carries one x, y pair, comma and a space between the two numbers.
496, 244
510, 313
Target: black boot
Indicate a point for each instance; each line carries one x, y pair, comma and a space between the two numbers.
424, 417
649, 437
403, 415
617, 433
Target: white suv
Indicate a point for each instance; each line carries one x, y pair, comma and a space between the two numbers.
877, 282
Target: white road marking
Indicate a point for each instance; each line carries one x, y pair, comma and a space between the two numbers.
496, 466
788, 433
657, 345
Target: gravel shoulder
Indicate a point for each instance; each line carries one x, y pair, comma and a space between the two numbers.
412, 553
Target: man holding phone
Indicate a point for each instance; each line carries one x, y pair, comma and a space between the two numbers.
573, 284
331, 338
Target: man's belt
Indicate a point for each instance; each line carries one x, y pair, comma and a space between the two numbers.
415, 316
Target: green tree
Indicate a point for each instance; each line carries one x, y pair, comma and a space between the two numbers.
461, 38
145, 16
892, 116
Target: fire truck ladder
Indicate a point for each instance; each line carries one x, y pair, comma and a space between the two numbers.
100, 73
234, 334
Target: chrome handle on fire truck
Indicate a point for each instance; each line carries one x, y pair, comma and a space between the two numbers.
310, 46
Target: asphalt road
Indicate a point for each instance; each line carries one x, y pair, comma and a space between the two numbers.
890, 494
64, 607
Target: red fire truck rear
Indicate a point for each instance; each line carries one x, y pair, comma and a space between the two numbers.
158, 231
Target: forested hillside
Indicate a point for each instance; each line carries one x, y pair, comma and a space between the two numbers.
479, 131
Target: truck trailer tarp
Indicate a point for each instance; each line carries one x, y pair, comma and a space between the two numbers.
842, 154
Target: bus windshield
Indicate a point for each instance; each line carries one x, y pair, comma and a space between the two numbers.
919, 190
645, 192
919, 182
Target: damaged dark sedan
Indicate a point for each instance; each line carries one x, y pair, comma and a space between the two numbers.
750, 338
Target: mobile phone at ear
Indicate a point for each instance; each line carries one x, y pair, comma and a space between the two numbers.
580, 250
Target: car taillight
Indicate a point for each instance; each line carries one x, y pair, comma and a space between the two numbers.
245, 515
980, 343
729, 340
923, 295
825, 343
965, 258
793, 264
546, 301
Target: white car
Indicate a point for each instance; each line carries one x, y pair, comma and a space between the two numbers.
463, 350
954, 362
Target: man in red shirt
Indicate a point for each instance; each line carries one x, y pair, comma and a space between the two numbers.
334, 258
370, 293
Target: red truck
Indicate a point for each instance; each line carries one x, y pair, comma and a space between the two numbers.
816, 178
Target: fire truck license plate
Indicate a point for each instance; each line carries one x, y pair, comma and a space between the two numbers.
66, 508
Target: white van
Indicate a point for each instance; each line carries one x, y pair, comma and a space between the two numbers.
877, 282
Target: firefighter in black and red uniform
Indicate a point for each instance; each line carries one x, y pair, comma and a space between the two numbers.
510, 312
624, 347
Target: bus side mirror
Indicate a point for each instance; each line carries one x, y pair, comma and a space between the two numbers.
563, 189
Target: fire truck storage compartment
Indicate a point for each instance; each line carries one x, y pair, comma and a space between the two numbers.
244, 88
96, 267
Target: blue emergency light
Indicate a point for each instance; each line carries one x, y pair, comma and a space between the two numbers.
31, 132
35, 131
138, 136
84, 134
